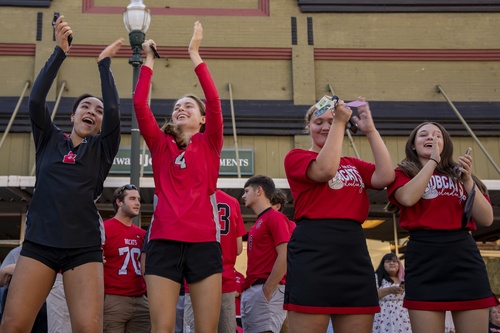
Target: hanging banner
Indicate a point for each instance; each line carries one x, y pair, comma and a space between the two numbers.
228, 162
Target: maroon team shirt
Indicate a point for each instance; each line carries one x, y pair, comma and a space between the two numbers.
186, 178
440, 208
122, 251
239, 289
231, 227
271, 229
343, 197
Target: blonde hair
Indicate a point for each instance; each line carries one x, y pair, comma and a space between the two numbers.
309, 115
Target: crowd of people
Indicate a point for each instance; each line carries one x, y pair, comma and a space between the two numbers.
312, 274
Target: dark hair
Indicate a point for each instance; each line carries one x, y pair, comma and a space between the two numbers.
120, 194
381, 273
80, 98
279, 197
265, 182
411, 165
170, 128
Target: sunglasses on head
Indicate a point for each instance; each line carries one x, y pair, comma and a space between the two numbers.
127, 187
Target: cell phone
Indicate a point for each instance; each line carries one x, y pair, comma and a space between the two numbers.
467, 153
154, 51
351, 125
54, 20
402, 284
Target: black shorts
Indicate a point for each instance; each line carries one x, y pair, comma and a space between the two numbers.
445, 272
180, 260
61, 259
329, 269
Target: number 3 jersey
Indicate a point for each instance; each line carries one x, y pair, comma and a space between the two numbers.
122, 251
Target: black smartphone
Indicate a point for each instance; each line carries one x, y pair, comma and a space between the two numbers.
351, 125
402, 284
54, 20
154, 51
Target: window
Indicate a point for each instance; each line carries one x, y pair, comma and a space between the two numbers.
397, 6
25, 3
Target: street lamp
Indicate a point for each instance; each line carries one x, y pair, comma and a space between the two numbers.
136, 18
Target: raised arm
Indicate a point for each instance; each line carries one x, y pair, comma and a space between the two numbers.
150, 56
412, 191
111, 100
384, 172
39, 113
147, 122
327, 162
110, 131
214, 122
194, 45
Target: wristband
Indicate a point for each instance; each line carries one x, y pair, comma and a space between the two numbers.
432, 159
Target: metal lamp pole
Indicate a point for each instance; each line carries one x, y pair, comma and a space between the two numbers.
136, 19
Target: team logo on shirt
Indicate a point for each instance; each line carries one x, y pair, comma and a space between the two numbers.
444, 186
258, 223
69, 158
130, 241
347, 175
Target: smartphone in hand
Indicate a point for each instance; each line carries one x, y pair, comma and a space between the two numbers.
467, 153
54, 20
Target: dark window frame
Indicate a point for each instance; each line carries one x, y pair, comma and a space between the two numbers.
25, 3
397, 6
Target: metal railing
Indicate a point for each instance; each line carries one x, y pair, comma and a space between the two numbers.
14, 114
235, 136
467, 127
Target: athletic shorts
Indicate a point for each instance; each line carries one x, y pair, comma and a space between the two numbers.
180, 260
259, 315
61, 259
444, 271
329, 270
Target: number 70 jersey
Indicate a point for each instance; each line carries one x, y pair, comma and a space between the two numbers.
122, 252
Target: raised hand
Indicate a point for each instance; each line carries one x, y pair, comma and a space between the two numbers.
194, 45
111, 50
146, 47
62, 31
435, 155
465, 162
365, 120
342, 112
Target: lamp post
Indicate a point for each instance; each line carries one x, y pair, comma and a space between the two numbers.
136, 18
